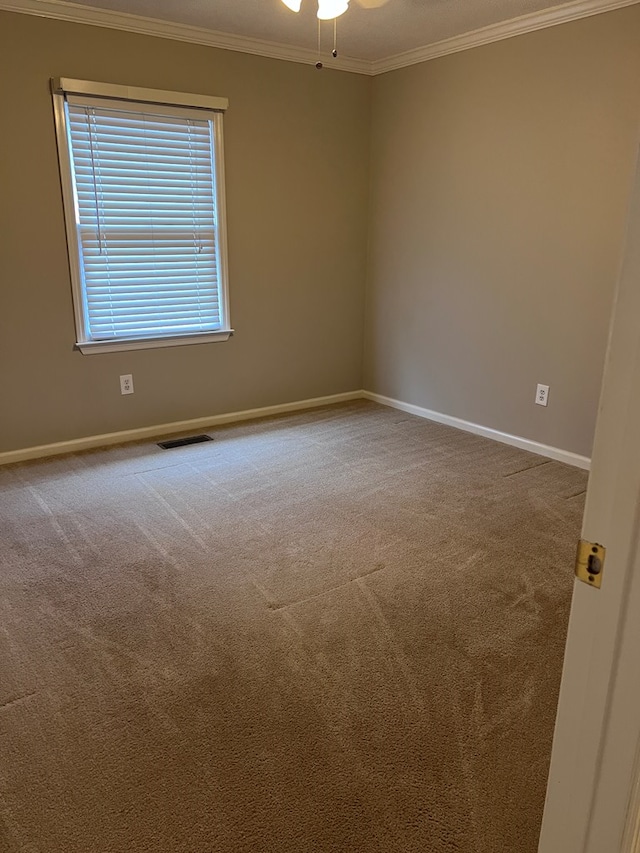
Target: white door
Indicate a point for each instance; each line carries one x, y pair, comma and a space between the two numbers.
593, 792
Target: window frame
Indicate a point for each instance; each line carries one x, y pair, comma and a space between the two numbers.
209, 107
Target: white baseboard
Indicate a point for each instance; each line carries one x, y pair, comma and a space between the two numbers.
515, 440
158, 430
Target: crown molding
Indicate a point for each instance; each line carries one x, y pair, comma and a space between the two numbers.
65, 11
497, 32
62, 10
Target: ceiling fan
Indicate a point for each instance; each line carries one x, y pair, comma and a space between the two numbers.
330, 10
327, 9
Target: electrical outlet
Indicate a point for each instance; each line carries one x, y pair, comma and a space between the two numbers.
126, 384
542, 395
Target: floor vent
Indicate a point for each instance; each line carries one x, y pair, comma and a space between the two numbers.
182, 442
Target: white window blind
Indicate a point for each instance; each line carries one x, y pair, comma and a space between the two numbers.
146, 219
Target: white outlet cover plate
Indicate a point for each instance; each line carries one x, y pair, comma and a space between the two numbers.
126, 384
542, 395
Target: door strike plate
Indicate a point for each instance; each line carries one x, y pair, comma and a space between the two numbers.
590, 563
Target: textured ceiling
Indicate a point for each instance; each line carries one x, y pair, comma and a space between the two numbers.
370, 30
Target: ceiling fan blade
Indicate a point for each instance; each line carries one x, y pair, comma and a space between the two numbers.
371, 4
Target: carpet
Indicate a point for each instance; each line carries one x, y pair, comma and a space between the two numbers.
338, 630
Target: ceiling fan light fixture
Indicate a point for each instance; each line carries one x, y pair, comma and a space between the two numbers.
329, 9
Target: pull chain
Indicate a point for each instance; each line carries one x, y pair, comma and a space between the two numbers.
319, 62
334, 52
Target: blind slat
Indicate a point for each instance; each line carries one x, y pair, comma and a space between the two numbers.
156, 308
138, 288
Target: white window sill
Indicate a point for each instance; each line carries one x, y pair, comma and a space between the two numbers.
92, 347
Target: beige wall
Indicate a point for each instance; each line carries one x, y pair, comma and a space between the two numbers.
499, 183
297, 144
500, 180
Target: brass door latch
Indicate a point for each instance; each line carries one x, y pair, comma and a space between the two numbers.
590, 562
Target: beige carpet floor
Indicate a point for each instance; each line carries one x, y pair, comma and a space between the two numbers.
340, 630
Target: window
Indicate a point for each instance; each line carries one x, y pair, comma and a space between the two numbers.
143, 190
